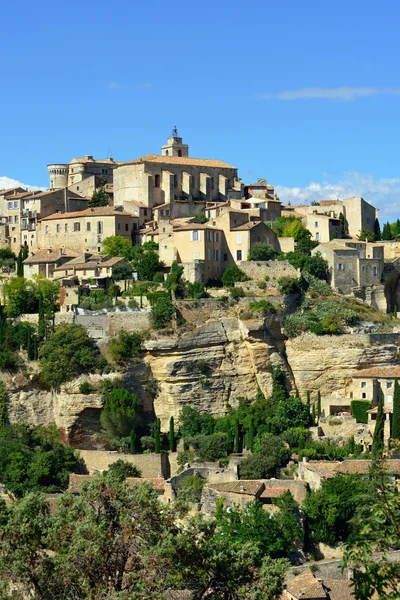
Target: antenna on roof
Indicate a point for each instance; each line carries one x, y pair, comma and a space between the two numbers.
174, 132
109, 153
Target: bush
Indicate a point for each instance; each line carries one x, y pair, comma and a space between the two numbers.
265, 463
196, 290
190, 488
292, 436
193, 422
260, 251
209, 448
148, 442
122, 469
67, 354
9, 360
162, 312
119, 413
263, 306
231, 275
288, 285
125, 346
86, 388
132, 303
359, 410
237, 292
159, 277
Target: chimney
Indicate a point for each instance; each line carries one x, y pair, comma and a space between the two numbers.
60, 251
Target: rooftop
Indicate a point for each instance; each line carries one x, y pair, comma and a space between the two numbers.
100, 211
179, 160
49, 256
389, 372
88, 158
306, 586
247, 226
329, 469
248, 487
89, 261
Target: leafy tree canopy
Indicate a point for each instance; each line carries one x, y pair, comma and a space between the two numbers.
232, 274
260, 251
270, 456
119, 414
99, 198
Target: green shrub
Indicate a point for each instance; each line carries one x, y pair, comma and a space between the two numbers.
260, 251
121, 469
148, 442
237, 292
209, 448
190, 488
119, 413
264, 306
162, 312
86, 388
359, 410
196, 290
231, 275
288, 285
132, 303
9, 360
125, 346
158, 277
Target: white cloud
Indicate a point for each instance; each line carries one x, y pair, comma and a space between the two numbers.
381, 193
145, 85
339, 93
7, 183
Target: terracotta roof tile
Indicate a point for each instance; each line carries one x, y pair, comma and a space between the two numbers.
389, 372
101, 211
49, 256
247, 226
248, 487
273, 492
306, 586
179, 160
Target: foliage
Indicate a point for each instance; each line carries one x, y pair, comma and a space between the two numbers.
359, 410
200, 217
66, 354
3, 404
33, 458
209, 448
86, 388
266, 462
279, 392
157, 437
314, 265
121, 469
162, 312
22, 331
20, 297
263, 306
193, 422
173, 283
396, 411
377, 531
147, 442
125, 346
117, 245
190, 488
330, 509
96, 300
260, 251
288, 285
145, 261
288, 226
172, 440
196, 290
387, 232
231, 275
99, 198
316, 286
290, 412
325, 317
119, 413
293, 435
122, 271
237, 292
378, 437
366, 235
7, 258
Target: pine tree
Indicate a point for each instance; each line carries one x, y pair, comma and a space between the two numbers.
157, 448
302, 442
172, 434
387, 232
297, 395
319, 405
396, 412
378, 439
41, 320
132, 441
99, 198
20, 266
250, 436
313, 416
25, 251
377, 230
3, 404
236, 447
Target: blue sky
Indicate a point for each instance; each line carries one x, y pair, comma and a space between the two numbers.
305, 94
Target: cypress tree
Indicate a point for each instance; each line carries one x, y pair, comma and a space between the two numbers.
157, 448
396, 411
308, 404
3, 404
35, 348
319, 405
29, 345
20, 266
302, 442
172, 434
377, 440
250, 436
132, 440
41, 320
377, 230
313, 416
236, 447
297, 395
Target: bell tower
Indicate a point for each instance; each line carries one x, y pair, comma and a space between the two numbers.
174, 146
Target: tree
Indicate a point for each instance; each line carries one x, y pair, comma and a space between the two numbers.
125, 346
236, 444
172, 434
266, 462
367, 235
117, 245
250, 436
319, 405
132, 442
162, 312
20, 266
192, 422
396, 411
209, 448
99, 198
122, 271
308, 404
3, 404
157, 440
378, 437
289, 412
20, 297
377, 230
231, 275
260, 251
119, 414
330, 509
376, 531
313, 420
278, 386
387, 232
121, 469
66, 354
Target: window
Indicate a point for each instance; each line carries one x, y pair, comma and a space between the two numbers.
216, 255
239, 239
58, 227
119, 226
77, 226
225, 257
363, 384
46, 229
238, 255
175, 181
16, 219
156, 181
389, 399
179, 152
350, 266
363, 395
212, 182
126, 227
389, 385
374, 271
195, 256
209, 253
100, 227
16, 204
77, 187
340, 267
209, 236
84, 271
87, 226
66, 227
316, 224
10, 205
216, 237
317, 235
195, 236
10, 219
104, 171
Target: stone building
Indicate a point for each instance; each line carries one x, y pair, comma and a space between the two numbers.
44, 262
78, 171
323, 228
159, 179
352, 264
84, 231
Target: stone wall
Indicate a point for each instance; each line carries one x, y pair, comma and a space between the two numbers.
258, 270
150, 465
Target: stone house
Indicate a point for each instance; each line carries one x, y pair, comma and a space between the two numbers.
76, 173
86, 267
159, 179
85, 230
44, 262
352, 264
323, 228
307, 585
7, 193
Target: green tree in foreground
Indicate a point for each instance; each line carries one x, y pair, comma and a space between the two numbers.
162, 312
99, 198
231, 275
268, 458
396, 411
119, 414
3, 404
378, 437
157, 437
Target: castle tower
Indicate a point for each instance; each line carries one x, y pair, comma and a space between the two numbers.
58, 176
174, 147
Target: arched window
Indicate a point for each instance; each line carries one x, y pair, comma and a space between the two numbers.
156, 181
179, 152
166, 153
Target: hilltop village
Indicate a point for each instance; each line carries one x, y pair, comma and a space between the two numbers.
167, 322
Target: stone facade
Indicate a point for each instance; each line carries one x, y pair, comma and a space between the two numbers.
78, 169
